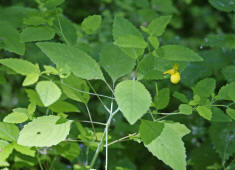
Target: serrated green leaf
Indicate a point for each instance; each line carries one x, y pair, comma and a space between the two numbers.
72, 59
150, 130
8, 131
18, 115
20, 66
185, 109
223, 5
130, 41
205, 87
179, 128
169, 148
115, 62
161, 100
9, 35
223, 137
133, 99
221, 41
178, 53
226, 92
48, 92
63, 107
231, 113
44, 132
30, 34
204, 112
65, 29
76, 88
91, 23
157, 26
30, 79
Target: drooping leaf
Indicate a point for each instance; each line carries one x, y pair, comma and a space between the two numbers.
76, 88
65, 29
157, 26
8, 131
48, 92
72, 59
115, 62
91, 23
149, 130
169, 148
133, 99
44, 132
20, 66
205, 87
161, 100
30, 34
9, 35
223, 5
178, 53
19, 115
223, 137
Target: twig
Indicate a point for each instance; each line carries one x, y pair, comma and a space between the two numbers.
121, 139
87, 121
92, 125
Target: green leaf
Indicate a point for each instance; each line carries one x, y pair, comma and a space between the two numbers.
185, 109
11, 39
130, 41
226, 92
231, 113
76, 88
8, 131
48, 92
218, 115
165, 6
157, 26
30, 34
229, 72
221, 41
150, 130
53, 3
154, 41
66, 30
33, 97
179, 128
169, 148
6, 151
91, 23
180, 96
31, 79
115, 62
20, 66
162, 98
133, 99
19, 115
204, 112
178, 53
63, 107
223, 5
223, 138
24, 150
44, 132
205, 87
72, 59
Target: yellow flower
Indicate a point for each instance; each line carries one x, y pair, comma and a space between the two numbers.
175, 75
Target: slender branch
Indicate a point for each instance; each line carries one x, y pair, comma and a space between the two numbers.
87, 121
92, 125
121, 139
39, 161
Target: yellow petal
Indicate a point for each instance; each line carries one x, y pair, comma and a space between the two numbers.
171, 71
175, 78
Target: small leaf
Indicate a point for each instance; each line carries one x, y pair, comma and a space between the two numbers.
150, 130
161, 100
178, 53
205, 87
226, 92
180, 96
133, 99
30, 79
205, 112
185, 109
157, 26
231, 113
8, 131
130, 41
218, 115
20, 66
91, 23
24, 150
6, 151
63, 107
44, 132
229, 72
18, 115
48, 92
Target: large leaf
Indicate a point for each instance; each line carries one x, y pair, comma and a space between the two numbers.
133, 99
11, 39
178, 53
223, 137
205, 87
48, 92
115, 62
8, 131
30, 34
169, 148
72, 59
91, 23
44, 132
20, 66
223, 5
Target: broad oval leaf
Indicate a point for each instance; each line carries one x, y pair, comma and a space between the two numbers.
133, 99
48, 92
44, 132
